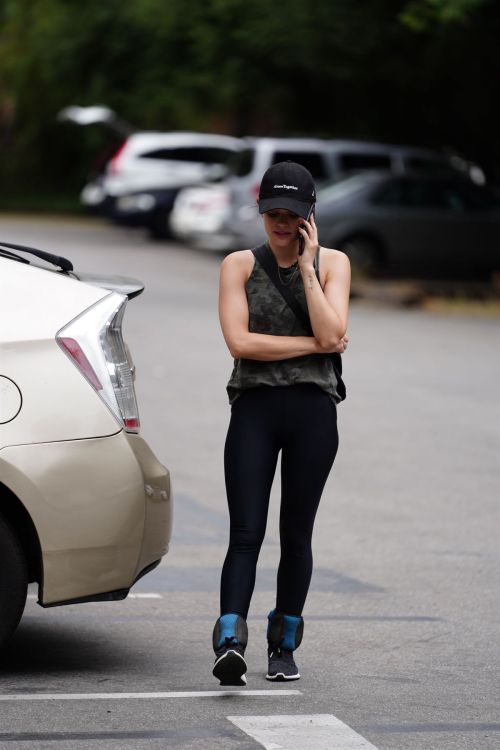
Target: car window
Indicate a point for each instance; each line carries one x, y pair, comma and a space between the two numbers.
391, 193
427, 166
421, 194
434, 194
343, 189
241, 162
468, 197
414, 194
203, 155
353, 162
311, 160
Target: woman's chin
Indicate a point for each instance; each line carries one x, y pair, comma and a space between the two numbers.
282, 239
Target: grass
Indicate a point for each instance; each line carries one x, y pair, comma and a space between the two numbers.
443, 297
41, 203
462, 306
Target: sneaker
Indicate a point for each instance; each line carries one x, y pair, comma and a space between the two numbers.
281, 665
230, 665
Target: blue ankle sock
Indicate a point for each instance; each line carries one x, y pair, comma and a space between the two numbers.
291, 625
227, 627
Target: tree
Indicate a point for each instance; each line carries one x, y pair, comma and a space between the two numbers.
419, 71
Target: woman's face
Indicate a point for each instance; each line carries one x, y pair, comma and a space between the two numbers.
281, 226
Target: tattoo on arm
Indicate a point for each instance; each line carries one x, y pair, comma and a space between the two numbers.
310, 280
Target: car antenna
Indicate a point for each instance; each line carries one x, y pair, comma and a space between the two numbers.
56, 260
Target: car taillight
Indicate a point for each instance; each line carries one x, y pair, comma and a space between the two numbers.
213, 201
94, 343
113, 164
75, 351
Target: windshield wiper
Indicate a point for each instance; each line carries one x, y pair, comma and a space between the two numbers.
55, 260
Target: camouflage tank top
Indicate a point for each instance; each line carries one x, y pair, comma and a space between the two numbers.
269, 313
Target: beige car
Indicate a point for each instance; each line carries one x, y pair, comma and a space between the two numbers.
85, 507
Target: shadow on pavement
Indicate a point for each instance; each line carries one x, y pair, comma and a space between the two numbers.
45, 647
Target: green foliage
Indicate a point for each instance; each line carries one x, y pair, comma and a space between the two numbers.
327, 67
420, 15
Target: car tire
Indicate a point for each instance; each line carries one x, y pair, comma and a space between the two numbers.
364, 255
13, 581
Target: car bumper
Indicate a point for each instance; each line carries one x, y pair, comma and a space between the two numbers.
140, 209
224, 240
213, 242
101, 507
95, 199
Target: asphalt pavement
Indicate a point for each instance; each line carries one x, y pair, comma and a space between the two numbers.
401, 639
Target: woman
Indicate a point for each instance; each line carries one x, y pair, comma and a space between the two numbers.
283, 393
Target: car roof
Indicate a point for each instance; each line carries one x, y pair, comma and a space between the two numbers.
359, 181
341, 144
363, 181
373, 175
447, 175
157, 139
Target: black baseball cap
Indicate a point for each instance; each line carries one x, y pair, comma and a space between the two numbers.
287, 185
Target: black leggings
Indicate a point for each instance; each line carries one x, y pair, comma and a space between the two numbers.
301, 421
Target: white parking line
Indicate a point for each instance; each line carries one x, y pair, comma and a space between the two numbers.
144, 595
141, 696
305, 732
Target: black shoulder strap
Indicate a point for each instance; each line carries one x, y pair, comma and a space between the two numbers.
268, 262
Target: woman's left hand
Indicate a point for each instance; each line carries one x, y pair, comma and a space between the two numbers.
309, 233
339, 347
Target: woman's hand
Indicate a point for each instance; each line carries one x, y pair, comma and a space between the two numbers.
339, 348
309, 233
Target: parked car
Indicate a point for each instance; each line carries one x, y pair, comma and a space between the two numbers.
140, 182
85, 507
202, 216
430, 226
225, 217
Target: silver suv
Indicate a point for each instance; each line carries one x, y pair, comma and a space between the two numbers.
225, 217
139, 184
85, 506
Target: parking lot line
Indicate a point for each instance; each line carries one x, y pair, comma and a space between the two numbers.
304, 732
145, 596
149, 595
142, 696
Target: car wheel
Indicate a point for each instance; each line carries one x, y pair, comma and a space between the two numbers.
364, 256
13, 581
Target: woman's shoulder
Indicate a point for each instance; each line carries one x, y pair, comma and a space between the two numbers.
238, 257
241, 262
333, 258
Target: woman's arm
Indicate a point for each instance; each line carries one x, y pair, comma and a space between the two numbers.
328, 308
234, 318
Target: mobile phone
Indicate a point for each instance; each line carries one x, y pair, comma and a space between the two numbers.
301, 239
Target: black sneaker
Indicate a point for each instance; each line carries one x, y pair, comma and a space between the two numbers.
230, 665
281, 665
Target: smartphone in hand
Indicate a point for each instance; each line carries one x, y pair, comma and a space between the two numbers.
301, 239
